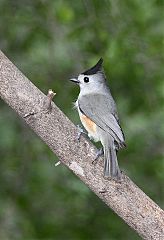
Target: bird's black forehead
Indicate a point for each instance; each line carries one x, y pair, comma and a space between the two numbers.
96, 68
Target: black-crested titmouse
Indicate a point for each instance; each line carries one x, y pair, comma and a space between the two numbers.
98, 114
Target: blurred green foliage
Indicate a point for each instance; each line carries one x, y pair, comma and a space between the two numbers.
51, 41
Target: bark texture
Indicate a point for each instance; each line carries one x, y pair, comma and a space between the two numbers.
59, 133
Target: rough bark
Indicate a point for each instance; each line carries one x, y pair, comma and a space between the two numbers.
59, 133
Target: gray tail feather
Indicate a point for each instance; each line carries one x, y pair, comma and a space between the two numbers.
111, 168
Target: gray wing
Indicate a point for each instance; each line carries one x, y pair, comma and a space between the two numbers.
101, 110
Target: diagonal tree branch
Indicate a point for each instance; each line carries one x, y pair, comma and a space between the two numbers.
60, 134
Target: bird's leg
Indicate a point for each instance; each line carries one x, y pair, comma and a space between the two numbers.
99, 153
80, 132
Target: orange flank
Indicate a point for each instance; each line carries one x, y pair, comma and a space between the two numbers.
88, 123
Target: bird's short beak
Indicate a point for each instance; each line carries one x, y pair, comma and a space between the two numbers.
75, 80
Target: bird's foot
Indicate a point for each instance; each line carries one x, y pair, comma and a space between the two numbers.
80, 132
99, 153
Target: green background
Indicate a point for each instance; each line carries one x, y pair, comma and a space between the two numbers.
51, 41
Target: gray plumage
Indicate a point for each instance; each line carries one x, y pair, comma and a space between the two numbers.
96, 102
102, 111
99, 109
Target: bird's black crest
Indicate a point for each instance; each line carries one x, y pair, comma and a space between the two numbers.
96, 68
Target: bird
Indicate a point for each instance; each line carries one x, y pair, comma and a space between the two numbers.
98, 114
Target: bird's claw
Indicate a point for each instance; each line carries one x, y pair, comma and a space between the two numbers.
99, 153
80, 132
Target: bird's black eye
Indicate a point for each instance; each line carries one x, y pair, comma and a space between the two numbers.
86, 79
